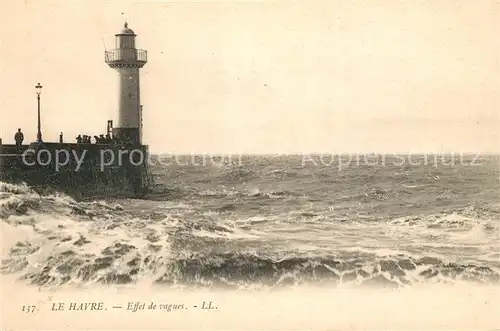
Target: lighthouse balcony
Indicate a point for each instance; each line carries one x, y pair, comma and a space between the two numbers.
126, 57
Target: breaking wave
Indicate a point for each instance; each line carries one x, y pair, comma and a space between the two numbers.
53, 240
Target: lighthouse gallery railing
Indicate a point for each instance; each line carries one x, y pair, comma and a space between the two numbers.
126, 55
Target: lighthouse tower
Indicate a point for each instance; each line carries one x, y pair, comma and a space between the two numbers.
127, 60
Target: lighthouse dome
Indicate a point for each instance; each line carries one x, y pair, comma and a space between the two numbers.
127, 30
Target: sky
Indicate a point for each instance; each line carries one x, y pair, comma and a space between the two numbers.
262, 76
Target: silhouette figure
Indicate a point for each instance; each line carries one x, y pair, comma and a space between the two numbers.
19, 137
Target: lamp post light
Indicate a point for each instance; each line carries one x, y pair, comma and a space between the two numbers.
38, 92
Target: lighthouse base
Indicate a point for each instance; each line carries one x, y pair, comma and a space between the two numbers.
130, 135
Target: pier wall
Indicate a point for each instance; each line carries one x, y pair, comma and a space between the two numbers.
80, 170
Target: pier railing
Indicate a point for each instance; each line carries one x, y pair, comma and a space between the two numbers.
122, 57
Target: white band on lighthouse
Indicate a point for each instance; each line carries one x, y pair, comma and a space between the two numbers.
129, 98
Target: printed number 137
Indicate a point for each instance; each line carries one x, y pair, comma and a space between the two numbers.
29, 309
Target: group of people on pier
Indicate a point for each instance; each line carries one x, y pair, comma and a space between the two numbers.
101, 139
80, 139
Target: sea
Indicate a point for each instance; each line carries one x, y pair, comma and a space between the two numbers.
268, 222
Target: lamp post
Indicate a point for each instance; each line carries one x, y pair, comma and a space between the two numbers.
38, 92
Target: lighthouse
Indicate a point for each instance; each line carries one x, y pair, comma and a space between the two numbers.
126, 59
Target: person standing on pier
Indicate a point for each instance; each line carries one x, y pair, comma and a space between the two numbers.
19, 137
